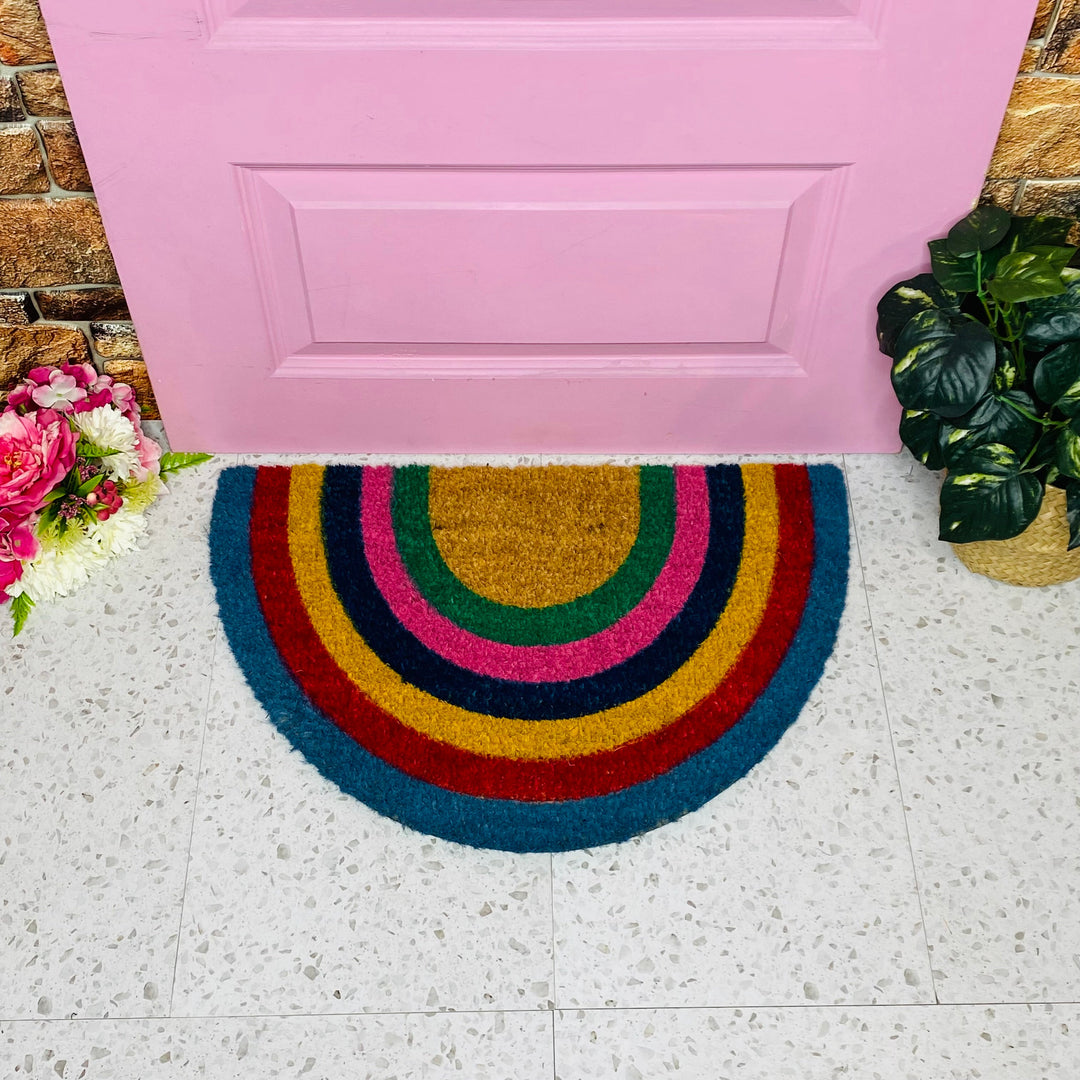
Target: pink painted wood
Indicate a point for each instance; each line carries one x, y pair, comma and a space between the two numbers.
528, 225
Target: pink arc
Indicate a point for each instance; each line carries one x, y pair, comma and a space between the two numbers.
638, 628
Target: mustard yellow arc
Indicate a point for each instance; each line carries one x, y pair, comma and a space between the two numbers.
531, 740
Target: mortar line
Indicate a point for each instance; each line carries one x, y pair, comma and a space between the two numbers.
892, 742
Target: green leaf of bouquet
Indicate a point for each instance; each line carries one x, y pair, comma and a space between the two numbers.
920, 432
1057, 378
90, 450
1067, 456
943, 364
1072, 511
952, 271
1053, 319
56, 493
1023, 276
89, 485
907, 298
981, 230
173, 462
48, 515
987, 497
20, 609
993, 420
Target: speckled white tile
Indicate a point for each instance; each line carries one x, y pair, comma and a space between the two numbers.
933, 1042
447, 460
458, 460
689, 459
794, 885
491, 1046
982, 682
302, 899
102, 711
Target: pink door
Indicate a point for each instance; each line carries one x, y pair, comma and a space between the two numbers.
545, 225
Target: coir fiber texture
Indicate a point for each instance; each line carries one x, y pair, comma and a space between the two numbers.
532, 659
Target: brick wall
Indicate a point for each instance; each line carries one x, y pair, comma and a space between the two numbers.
60, 297
1036, 166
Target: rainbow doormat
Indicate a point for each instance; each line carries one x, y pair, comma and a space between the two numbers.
532, 659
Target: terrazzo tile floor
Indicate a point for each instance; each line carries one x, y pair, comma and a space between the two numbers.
894, 892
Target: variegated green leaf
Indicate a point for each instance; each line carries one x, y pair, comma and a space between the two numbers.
1023, 276
951, 271
1072, 510
920, 432
996, 419
1058, 257
1026, 234
907, 298
943, 365
1057, 378
1053, 319
987, 497
1006, 371
1067, 458
982, 229
1032, 230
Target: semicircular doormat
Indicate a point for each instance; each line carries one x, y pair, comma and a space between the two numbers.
532, 659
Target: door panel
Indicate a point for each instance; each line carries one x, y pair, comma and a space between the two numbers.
510, 225
549, 257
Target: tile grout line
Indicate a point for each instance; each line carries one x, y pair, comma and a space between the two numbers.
194, 813
733, 1007
892, 740
554, 979
554, 1063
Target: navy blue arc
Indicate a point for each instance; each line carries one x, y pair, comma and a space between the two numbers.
428, 671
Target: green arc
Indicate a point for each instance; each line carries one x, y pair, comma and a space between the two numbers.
555, 625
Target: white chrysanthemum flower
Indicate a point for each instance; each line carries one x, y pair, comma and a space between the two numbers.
107, 426
61, 568
120, 533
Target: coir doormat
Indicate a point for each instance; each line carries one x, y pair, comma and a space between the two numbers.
532, 659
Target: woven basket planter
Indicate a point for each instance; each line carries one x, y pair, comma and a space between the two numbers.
1038, 556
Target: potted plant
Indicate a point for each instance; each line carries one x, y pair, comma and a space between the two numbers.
986, 364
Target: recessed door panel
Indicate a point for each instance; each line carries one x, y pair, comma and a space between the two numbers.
562, 258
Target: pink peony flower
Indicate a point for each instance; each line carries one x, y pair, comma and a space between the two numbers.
36, 452
85, 375
17, 539
149, 455
10, 572
18, 544
94, 400
61, 392
20, 395
123, 397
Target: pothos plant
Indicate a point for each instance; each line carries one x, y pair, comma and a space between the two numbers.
986, 353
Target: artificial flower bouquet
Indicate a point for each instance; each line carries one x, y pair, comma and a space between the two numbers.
77, 474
